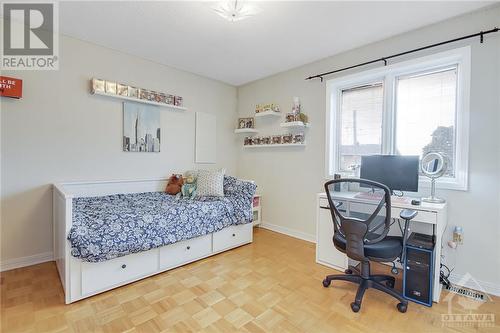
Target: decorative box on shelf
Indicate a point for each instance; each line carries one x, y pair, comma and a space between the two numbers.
256, 209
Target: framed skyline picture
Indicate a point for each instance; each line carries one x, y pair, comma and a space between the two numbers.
141, 127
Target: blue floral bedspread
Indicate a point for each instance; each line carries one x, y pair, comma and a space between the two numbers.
112, 226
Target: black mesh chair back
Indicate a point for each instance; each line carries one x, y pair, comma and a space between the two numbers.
361, 228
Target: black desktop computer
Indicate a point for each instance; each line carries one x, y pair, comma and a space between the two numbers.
418, 276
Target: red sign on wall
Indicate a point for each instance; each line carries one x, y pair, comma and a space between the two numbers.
11, 87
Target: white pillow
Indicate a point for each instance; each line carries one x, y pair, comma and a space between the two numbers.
210, 183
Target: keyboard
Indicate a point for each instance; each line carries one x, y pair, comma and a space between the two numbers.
379, 196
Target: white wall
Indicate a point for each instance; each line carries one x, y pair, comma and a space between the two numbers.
59, 132
290, 178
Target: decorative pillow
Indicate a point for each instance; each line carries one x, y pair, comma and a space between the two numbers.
210, 183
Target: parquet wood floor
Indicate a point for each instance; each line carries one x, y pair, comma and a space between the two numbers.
271, 285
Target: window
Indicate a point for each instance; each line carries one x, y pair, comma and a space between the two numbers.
361, 124
409, 108
426, 114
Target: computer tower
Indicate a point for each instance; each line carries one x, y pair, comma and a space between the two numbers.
418, 272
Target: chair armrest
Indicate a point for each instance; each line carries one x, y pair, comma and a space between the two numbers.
408, 214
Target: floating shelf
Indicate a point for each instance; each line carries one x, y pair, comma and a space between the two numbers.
143, 101
295, 124
276, 145
268, 113
246, 130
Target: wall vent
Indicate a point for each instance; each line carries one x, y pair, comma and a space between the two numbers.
470, 293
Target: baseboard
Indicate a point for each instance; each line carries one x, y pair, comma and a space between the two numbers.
289, 232
469, 282
26, 261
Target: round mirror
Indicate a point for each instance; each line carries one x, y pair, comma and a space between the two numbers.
433, 165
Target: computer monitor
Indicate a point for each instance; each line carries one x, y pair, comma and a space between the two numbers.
398, 173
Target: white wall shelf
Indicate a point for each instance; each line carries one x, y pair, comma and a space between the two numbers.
137, 100
276, 145
246, 130
268, 113
295, 124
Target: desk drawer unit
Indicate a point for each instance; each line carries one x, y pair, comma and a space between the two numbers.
232, 236
110, 273
186, 251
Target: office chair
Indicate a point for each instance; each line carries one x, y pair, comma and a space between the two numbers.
366, 240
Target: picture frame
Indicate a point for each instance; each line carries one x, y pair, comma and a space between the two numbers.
246, 123
178, 101
133, 92
144, 94
170, 99
276, 139
290, 117
299, 138
121, 89
98, 85
111, 87
287, 138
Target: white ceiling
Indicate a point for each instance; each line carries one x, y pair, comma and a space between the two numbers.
284, 35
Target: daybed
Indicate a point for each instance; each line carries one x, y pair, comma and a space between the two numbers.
107, 234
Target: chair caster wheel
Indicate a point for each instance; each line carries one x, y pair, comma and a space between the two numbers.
394, 271
348, 271
389, 283
402, 307
326, 283
355, 307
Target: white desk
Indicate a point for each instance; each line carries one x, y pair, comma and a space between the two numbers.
428, 215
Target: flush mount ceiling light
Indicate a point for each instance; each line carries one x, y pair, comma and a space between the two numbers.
235, 10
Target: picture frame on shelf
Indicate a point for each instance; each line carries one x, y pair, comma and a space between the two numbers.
170, 99
244, 123
111, 87
298, 138
276, 139
121, 89
144, 94
287, 138
98, 85
291, 117
133, 92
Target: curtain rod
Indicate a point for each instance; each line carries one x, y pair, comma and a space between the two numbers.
384, 59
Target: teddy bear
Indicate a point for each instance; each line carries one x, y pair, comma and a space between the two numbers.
174, 184
189, 188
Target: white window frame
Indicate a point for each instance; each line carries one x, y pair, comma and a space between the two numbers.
388, 74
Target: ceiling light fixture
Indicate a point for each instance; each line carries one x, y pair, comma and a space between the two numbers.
235, 10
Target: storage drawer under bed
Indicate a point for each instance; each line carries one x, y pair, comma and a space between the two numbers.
97, 276
186, 251
232, 236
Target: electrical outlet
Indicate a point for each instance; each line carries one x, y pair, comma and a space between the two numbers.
458, 235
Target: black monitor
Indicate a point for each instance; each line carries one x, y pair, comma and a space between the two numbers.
398, 173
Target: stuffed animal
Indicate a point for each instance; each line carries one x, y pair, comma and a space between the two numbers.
189, 187
174, 184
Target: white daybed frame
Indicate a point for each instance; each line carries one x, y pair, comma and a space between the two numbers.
83, 279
